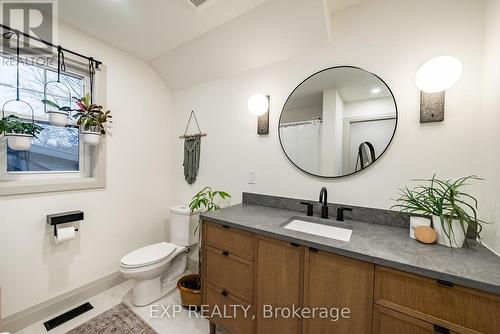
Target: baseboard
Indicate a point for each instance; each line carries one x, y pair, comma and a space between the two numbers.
22, 319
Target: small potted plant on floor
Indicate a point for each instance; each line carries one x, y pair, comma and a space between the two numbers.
58, 116
92, 120
19, 133
190, 285
453, 211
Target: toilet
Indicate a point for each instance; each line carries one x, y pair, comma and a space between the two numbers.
155, 269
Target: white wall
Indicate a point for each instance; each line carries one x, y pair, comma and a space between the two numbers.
129, 213
489, 134
394, 39
378, 133
370, 108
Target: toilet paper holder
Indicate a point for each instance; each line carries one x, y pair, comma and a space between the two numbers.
63, 218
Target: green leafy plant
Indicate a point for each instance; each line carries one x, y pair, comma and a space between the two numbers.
56, 106
205, 201
445, 199
15, 125
91, 116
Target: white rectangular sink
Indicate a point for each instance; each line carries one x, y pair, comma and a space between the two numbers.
332, 232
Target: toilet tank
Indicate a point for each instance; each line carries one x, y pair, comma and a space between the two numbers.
183, 225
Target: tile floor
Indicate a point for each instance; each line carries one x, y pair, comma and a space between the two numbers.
182, 323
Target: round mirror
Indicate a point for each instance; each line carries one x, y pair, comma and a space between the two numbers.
338, 122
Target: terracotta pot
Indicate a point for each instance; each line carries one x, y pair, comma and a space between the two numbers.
189, 297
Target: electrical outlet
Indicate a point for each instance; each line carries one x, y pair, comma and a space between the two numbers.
251, 177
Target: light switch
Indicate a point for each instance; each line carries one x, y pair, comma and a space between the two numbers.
251, 177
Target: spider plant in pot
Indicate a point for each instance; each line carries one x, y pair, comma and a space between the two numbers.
58, 116
190, 285
18, 132
92, 120
453, 211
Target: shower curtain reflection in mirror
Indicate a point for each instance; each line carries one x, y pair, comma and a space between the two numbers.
301, 142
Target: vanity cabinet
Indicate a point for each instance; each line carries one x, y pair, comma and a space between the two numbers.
336, 282
439, 303
261, 273
279, 284
228, 277
387, 321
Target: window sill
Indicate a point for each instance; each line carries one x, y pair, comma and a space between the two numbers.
9, 188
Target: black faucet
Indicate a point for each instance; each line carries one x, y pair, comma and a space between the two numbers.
323, 198
340, 213
309, 208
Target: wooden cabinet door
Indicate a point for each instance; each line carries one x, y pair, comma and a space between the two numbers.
458, 308
387, 321
334, 283
279, 285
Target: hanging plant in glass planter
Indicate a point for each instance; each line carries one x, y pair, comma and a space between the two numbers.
92, 120
18, 132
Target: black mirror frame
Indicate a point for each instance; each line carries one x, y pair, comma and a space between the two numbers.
381, 154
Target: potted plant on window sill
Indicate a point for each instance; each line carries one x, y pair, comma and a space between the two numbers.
453, 211
190, 285
18, 133
92, 120
58, 116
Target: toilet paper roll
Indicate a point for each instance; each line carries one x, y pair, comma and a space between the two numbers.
64, 234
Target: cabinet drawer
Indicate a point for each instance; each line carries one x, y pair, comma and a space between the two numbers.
435, 302
387, 321
230, 272
228, 239
228, 311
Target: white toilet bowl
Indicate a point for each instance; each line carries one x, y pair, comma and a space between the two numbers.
155, 270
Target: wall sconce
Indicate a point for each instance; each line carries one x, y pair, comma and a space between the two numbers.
258, 105
433, 78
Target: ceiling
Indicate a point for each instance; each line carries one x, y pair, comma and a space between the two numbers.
274, 31
187, 47
338, 5
149, 28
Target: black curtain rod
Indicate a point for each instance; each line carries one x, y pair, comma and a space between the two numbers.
97, 63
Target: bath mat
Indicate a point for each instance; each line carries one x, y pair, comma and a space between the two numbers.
118, 320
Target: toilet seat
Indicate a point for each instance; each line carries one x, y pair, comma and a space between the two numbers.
148, 255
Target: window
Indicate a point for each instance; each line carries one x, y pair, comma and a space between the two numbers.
57, 161
56, 149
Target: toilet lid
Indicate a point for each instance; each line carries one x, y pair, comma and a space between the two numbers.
148, 255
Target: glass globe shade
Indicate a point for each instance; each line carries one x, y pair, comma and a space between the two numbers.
258, 104
438, 74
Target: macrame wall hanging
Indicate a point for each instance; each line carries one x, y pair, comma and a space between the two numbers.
192, 147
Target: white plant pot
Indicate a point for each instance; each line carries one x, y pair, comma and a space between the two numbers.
19, 142
457, 236
58, 118
91, 138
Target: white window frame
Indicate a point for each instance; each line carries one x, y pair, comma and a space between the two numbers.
92, 174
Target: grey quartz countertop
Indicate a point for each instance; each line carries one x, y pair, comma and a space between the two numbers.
475, 267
